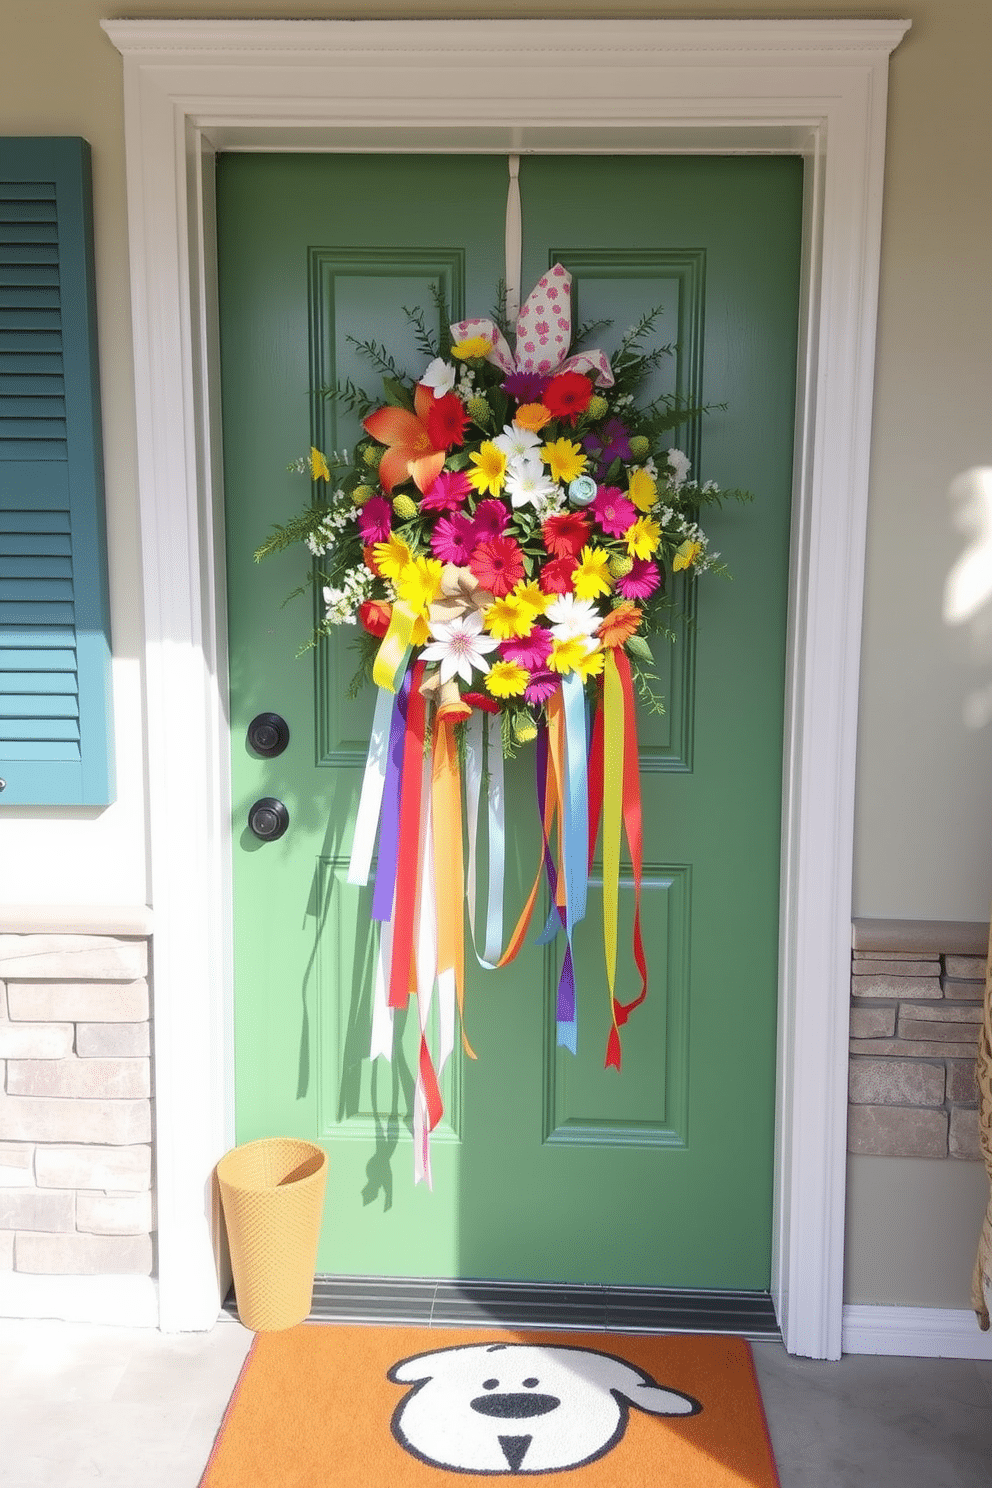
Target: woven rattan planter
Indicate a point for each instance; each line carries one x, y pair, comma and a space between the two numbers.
272, 1191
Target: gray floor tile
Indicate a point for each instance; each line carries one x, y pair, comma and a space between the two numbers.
867, 1422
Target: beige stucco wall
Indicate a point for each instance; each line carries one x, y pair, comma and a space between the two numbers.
923, 841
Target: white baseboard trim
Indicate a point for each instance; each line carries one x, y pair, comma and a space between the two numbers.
120, 1301
916, 1332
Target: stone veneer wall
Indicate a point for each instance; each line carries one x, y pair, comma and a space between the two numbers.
917, 994
75, 1104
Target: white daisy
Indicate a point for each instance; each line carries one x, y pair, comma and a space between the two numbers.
571, 617
516, 442
439, 377
459, 646
527, 480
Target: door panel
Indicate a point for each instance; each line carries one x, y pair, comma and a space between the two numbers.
547, 1166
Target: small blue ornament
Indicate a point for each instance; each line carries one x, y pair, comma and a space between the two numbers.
582, 490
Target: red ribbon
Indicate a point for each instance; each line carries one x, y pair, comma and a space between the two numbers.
408, 865
633, 826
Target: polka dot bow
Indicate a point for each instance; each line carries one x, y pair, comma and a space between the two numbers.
544, 334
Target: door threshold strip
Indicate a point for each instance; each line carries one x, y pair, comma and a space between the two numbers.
438, 1303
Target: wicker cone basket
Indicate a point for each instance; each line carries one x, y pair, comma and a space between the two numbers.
272, 1192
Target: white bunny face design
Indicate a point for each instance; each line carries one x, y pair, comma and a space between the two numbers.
522, 1408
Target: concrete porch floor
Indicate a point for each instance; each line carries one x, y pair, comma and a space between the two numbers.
82, 1405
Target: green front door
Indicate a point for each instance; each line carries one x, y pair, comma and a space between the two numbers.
547, 1166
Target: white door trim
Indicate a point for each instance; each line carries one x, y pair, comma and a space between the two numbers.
817, 88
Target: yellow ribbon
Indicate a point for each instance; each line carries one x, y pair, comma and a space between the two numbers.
613, 746
392, 656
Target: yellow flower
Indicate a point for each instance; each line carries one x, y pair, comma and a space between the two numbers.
642, 490
490, 469
472, 346
592, 665
642, 537
391, 556
506, 679
591, 576
686, 554
565, 459
419, 583
319, 468
508, 617
566, 656
530, 593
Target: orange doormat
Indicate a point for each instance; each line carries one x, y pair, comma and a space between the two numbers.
327, 1406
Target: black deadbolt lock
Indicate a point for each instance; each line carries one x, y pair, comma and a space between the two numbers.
268, 734
268, 819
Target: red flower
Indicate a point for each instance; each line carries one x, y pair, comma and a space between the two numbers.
375, 615
566, 534
480, 700
556, 577
567, 395
498, 565
446, 421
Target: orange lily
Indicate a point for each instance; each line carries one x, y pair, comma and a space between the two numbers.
411, 453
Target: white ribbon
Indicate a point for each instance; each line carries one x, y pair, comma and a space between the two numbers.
370, 802
382, 1013
514, 233
497, 849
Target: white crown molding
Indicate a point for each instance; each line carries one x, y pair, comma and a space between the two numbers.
817, 88
915, 1332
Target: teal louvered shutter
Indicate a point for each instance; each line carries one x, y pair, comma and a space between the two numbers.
55, 720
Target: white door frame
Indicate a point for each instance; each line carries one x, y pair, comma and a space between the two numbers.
815, 88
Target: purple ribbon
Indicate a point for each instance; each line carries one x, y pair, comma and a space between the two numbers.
389, 831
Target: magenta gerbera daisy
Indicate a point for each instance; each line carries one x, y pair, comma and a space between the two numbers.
530, 651
375, 520
453, 538
490, 520
446, 492
642, 580
613, 511
541, 686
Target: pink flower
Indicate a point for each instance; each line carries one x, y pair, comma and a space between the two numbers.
375, 520
541, 686
453, 538
446, 492
529, 651
613, 511
642, 580
490, 520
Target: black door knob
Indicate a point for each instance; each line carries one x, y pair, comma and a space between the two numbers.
268, 819
268, 734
